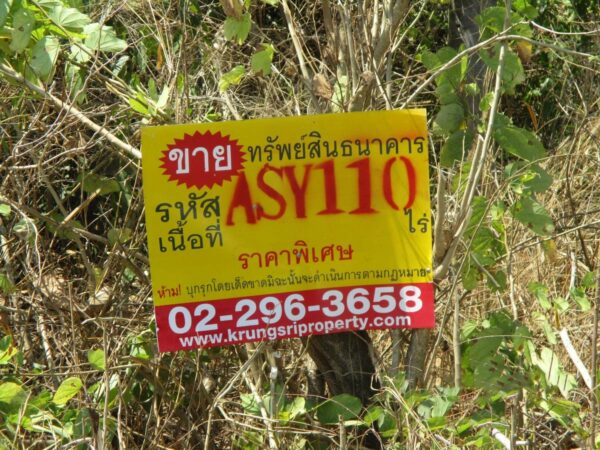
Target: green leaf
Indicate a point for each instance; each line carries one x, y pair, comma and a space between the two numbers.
550, 365
97, 359
92, 182
486, 102
524, 7
67, 390
271, 2
589, 280
578, 294
533, 215
261, 61
12, 395
540, 292
512, 72
44, 55
450, 117
69, 18
519, 142
233, 77
250, 404
237, 29
344, 405
456, 147
119, 235
527, 177
4, 210
7, 349
373, 414
23, 23
138, 106
4, 9
103, 38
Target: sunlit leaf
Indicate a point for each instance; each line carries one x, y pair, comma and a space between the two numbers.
533, 215
97, 359
237, 29
233, 77
23, 23
103, 38
519, 142
44, 55
261, 61
4, 210
69, 18
68, 389
4, 9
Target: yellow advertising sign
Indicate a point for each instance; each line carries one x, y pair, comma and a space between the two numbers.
276, 228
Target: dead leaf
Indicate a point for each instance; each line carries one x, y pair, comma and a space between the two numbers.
524, 50
232, 8
321, 87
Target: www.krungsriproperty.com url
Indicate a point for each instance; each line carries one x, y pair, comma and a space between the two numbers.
233, 336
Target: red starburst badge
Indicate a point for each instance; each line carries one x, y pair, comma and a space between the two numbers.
202, 159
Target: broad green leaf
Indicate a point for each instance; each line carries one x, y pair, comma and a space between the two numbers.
456, 147
23, 23
67, 390
233, 77
527, 177
12, 395
492, 20
119, 235
44, 55
541, 320
450, 118
589, 280
237, 29
578, 294
533, 215
79, 54
296, 407
103, 38
7, 349
540, 292
92, 182
4, 9
138, 106
69, 18
525, 8
49, 4
373, 414
250, 404
261, 61
4, 210
512, 71
344, 405
97, 359
550, 365
519, 142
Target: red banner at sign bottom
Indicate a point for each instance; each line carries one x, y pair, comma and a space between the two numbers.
293, 314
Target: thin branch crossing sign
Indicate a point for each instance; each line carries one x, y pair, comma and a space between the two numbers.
278, 228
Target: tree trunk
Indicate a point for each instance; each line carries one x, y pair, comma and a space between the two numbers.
345, 362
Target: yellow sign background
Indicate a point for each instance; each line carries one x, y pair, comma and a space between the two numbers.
389, 241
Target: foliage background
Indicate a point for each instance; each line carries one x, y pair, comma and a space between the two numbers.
78, 360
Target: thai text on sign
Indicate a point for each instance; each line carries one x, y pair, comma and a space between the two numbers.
286, 227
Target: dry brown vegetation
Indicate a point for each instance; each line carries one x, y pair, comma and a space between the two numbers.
71, 285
